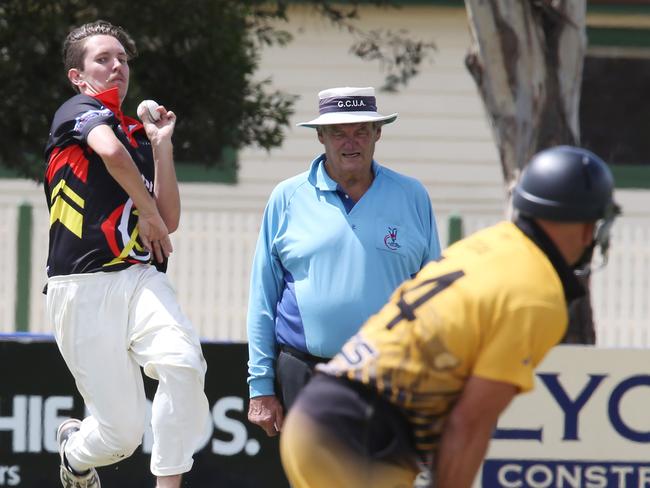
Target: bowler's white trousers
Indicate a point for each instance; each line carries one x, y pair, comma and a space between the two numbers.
107, 325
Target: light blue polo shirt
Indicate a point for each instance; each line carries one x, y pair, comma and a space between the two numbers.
320, 271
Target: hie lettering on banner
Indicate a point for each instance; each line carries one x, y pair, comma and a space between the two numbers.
32, 423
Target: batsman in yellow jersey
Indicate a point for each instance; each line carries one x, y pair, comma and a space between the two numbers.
424, 381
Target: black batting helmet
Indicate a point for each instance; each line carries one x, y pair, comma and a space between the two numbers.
565, 183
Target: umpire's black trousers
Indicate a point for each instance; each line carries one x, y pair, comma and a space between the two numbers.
293, 371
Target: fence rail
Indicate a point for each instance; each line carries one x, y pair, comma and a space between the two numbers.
214, 248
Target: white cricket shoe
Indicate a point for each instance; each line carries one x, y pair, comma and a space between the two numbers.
423, 479
69, 478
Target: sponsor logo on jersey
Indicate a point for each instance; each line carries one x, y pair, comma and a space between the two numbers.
86, 117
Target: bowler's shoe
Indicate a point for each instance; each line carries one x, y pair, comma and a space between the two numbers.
69, 477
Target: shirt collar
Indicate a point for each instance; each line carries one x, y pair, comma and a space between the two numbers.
320, 179
111, 100
572, 287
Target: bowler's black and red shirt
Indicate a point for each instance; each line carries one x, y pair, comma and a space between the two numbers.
93, 222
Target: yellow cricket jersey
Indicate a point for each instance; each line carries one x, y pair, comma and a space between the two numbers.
491, 307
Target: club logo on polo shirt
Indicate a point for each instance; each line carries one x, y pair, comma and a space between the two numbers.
390, 239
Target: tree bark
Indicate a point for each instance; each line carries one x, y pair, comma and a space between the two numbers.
526, 58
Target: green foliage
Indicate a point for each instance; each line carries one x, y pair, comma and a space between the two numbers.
198, 59
398, 54
31, 78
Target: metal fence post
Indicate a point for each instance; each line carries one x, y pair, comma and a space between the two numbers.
23, 265
455, 229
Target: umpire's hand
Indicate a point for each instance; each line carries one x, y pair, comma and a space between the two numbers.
266, 411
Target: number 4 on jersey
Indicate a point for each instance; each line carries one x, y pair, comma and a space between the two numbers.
407, 310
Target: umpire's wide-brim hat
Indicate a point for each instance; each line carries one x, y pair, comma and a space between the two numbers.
347, 105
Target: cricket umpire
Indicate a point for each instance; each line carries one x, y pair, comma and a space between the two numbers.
334, 243
425, 379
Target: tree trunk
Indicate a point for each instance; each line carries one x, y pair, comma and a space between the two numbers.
526, 58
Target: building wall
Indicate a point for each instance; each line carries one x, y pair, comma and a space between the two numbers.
441, 135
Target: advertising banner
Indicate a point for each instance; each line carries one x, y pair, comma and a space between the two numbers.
586, 424
37, 392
